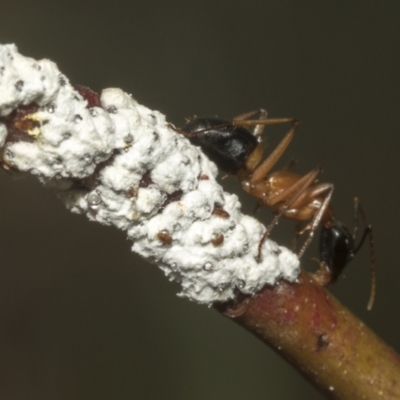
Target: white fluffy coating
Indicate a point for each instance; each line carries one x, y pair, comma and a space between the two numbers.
150, 182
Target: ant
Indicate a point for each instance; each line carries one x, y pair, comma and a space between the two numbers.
236, 150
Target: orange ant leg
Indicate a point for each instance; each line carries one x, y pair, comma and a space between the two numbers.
317, 217
247, 115
295, 194
264, 122
258, 128
292, 193
261, 122
263, 169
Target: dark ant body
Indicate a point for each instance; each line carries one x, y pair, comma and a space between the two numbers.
227, 145
337, 248
236, 150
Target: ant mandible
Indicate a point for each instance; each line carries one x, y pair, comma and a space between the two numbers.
236, 150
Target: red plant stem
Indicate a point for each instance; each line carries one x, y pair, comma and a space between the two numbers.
323, 340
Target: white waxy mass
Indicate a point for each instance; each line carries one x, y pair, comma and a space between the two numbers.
121, 164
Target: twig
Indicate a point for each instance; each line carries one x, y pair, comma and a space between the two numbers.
323, 340
121, 164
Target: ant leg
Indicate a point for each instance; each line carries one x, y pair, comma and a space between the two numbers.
298, 189
367, 232
258, 128
247, 115
355, 216
297, 232
262, 170
317, 218
265, 122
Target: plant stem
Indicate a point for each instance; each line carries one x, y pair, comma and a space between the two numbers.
323, 340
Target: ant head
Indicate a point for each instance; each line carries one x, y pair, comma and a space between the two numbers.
226, 144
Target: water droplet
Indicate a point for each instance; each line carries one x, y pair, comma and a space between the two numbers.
93, 199
66, 135
173, 265
93, 112
241, 284
128, 138
77, 118
112, 109
208, 266
50, 108
177, 227
207, 208
232, 227
192, 215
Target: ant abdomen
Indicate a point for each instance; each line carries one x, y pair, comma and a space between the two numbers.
336, 248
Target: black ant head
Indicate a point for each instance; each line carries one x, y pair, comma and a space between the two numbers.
227, 145
336, 248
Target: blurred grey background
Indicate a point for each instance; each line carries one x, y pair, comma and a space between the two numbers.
81, 317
